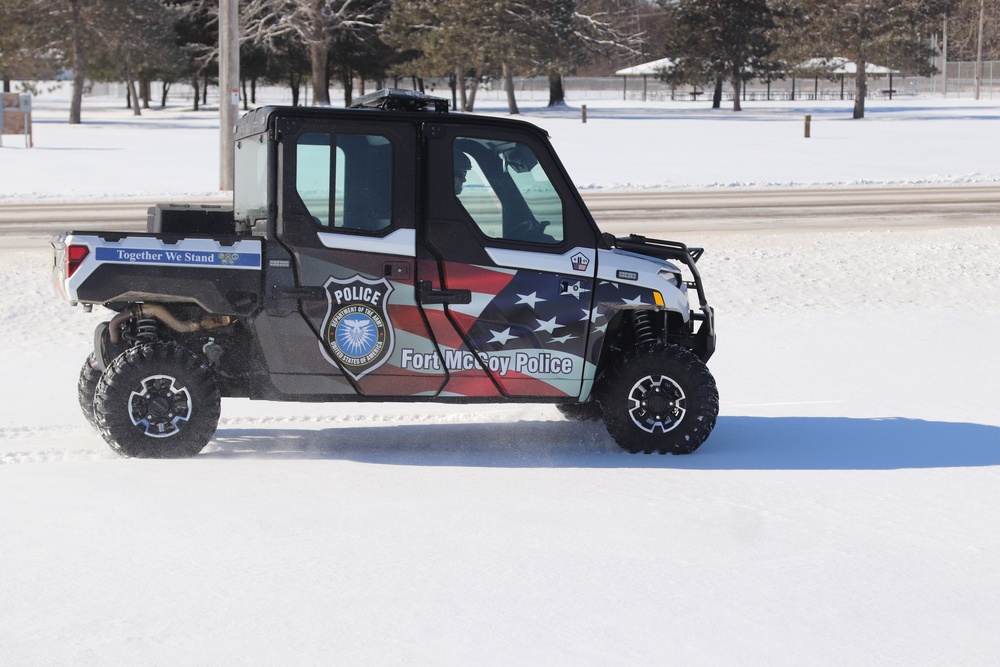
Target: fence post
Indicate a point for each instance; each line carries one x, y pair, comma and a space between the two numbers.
583, 112
807, 124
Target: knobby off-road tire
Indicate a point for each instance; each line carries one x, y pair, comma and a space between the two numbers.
86, 387
660, 398
582, 412
157, 401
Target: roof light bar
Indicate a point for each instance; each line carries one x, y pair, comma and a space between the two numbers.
398, 99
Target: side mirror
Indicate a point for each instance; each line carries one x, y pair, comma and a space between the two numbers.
520, 158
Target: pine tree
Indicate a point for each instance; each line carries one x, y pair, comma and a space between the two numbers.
20, 57
711, 41
196, 33
135, 40
82, 34
888, 32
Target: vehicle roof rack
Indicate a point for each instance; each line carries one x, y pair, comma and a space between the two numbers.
398, 99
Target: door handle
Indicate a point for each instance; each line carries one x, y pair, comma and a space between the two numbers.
299, 293
396, 270
430, 296
571, 287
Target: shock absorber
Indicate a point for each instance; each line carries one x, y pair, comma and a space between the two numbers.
130, 326
642, 327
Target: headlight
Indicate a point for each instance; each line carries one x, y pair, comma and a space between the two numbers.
671, 274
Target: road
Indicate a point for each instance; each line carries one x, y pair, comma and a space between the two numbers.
650, 213
799, 209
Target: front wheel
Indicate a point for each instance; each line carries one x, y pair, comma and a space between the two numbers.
660, 398
157, 401
583, 412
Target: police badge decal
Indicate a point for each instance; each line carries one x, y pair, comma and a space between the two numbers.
356, 329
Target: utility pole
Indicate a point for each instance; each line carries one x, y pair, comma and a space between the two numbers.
944, 55
229, 92
979, 48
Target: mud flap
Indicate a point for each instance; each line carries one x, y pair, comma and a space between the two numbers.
104, 350
704, 341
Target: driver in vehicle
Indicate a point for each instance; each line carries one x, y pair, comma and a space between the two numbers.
462, 166
500, 212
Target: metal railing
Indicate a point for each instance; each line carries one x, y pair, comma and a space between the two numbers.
959, 83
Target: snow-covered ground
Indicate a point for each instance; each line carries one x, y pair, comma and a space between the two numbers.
843, 511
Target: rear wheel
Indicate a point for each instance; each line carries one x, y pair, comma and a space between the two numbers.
660, 398
157, 401
86, 387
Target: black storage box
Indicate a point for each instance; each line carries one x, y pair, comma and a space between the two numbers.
185, 219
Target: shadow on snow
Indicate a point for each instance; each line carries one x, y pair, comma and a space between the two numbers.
738, 443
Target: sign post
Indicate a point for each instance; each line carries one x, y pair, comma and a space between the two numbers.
15, 117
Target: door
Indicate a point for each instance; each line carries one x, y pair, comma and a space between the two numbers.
511, 258
347, 216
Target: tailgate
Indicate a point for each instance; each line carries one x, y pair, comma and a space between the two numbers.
223, 275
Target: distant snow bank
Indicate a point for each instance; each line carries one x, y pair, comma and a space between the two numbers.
173, 152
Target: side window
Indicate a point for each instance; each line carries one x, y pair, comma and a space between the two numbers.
250, 193
312, 175
345, 180
506, 191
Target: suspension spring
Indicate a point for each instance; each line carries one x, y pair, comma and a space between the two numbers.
642, 327
147, 331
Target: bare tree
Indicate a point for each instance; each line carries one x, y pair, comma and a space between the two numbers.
454, 38
559, 35
470, 37
963, 29
319, 25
